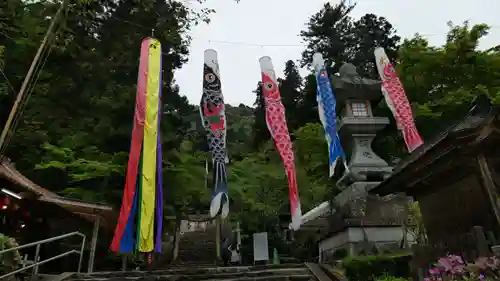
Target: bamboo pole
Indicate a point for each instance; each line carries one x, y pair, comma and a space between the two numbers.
28, 76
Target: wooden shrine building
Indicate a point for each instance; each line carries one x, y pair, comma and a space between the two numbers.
31, 213
455, 178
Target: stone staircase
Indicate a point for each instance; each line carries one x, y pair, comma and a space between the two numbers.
282, 272
199, 247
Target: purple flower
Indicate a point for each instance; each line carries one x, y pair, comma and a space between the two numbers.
456, 260
481, 277
458, 270
445, 263
435, 271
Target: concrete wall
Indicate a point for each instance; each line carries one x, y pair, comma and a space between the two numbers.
352, 238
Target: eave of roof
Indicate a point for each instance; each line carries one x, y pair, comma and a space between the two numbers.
86, 210
8, 170
478, 117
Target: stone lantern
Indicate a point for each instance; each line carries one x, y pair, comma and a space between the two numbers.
358, 127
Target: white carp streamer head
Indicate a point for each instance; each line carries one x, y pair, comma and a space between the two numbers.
318, 62
381, 60
212, 61
266, 66
270, 87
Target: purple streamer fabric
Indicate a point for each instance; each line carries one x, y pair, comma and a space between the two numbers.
159, 175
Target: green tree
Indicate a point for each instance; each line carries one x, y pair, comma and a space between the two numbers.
308, 106
260, 130
369, 32
76, 127
340, 39
290, 89
329, 31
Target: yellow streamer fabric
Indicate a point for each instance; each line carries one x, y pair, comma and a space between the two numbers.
149, 148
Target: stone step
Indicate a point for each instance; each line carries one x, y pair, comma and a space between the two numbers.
304, 277
209, 272
248, 275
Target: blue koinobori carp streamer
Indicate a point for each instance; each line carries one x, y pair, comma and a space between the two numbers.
327, 111
213, 117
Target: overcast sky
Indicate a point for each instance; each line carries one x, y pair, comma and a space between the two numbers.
243, 32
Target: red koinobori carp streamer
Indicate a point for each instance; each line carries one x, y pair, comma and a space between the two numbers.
396, 99
142, 204
276, 123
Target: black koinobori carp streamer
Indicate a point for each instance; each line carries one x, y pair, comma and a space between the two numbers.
213, 117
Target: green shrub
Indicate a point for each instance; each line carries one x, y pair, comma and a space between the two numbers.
12, 260
370, 268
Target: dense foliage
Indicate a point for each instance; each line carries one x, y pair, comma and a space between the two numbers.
73, 135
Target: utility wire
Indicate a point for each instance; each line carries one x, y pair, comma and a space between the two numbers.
251, 44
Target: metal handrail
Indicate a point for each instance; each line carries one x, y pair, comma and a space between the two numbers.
36, 263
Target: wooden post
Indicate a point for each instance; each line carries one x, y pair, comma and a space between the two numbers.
124, 263
489, 186
217, 237
238, 234
93, 244
177, 238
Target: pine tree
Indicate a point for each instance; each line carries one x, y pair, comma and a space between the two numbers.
329, 32
308, 108
260, 130
372, 31
340, 39
290, 88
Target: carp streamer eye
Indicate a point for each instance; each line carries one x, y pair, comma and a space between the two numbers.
323, 74
269, 86
210, 78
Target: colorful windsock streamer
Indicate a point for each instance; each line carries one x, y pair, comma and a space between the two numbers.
396, 99
327, 111
276, 123
142, 204
213, 118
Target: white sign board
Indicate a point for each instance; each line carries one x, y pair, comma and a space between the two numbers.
260, 249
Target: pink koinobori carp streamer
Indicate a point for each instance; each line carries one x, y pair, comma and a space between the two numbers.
276, 123
396, 99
